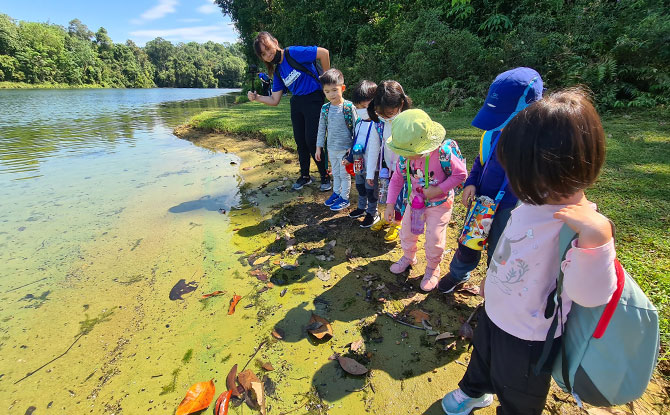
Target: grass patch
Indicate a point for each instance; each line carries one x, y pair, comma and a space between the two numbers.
633, 189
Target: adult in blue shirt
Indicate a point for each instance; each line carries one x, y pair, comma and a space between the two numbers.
306, 101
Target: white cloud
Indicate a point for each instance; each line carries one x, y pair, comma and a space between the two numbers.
215, 33
189, 20
160, 10
209, 8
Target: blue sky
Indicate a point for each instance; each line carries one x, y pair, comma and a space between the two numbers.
138, 20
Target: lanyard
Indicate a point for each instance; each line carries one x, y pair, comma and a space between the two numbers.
367, 137
409, 181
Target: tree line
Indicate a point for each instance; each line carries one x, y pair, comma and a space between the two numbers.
38, 53
447, 52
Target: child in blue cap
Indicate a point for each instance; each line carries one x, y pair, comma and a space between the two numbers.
510, 92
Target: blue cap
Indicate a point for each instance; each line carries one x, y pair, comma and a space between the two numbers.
504, 101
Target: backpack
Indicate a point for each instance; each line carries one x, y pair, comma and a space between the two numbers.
447, 149
609, 352
348, 112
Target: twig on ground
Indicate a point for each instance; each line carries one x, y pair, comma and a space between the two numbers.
389, 315
252, 356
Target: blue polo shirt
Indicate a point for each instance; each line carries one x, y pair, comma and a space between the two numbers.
297, 82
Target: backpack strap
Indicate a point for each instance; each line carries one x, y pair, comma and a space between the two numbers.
299, 66
446, 151
348, 111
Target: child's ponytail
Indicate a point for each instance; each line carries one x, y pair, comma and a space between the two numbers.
371, 111
390, 95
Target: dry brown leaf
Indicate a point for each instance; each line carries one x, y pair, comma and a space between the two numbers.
230, 381
356, 345
262, 259
419, 316
258, 396
198, 397
267, 366
321, 331
278, 333
351, 366
468, 289
246, 378
444, 336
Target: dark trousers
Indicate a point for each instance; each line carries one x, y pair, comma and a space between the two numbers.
504, 365
305, 113
466, 259
367, 195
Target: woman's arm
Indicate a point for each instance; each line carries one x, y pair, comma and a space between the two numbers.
323, 56
272, 101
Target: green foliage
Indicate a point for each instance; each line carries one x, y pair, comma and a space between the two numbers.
617, 49
48, 54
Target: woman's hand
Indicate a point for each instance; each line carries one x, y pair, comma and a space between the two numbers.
468, 195
593, 228
389, 213
317, 155
432, 192
252, 95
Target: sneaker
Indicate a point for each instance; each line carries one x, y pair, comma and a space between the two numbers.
393, 232
379, 225
369, 220
402, 265
301, 182
458, 403
332, 199
357, 213
325, 184
448, 284
430, 279
339, 204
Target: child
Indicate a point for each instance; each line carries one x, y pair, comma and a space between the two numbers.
509, 93
429, 167
390, 100
336, 124
551, 151
366, 147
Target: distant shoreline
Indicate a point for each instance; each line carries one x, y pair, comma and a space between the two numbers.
48, 85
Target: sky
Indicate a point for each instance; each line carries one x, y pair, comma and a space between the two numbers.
138, 20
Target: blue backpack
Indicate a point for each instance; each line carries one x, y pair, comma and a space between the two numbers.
609, 352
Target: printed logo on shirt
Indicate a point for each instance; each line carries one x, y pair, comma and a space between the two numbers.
504, 271
291, 77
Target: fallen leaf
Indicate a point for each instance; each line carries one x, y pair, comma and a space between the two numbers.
332, 244
221, 405
351, 366
261, 275
450, 346
356, 345
247, 168
444, 336
268, 366
262, 259
466, 331
233, 302
230, 381
278, 334
426, 325
215, 293
283, 292
258, 395
322, 331
468, 289
322, 274
198, 397
419, 316
288, 267
246, 378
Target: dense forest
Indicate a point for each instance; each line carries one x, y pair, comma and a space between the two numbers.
44, 53
447, 52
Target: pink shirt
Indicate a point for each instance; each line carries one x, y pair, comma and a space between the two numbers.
524, 268
436, 176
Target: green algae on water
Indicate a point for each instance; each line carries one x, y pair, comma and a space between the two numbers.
172, 386
87, 325
187, 356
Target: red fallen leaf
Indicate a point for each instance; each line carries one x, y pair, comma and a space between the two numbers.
321, 327
230, 381
351, 366
278, 334
215, 293
221, 405
233, 302
246, 378
198, 397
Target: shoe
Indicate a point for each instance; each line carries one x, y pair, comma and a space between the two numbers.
402, 265
356, 213
448, 284
325, 184
339, 204
379, 225
430, 279
332, 199
301, 182
369, 220
457, 402
392, 233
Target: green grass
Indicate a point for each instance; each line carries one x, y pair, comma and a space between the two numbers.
633, 189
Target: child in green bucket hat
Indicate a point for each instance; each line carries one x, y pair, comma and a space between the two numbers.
429, 169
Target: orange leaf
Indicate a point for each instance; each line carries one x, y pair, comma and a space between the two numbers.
215, 293
221, 405
198, 397
419, 316
322, 327
233, 303
268, 366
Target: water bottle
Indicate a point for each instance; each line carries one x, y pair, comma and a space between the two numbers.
383, 184
358, 159
418, 218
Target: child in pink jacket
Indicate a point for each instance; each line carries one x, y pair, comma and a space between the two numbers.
434, 167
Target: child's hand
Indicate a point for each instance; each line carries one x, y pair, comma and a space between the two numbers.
371, 182
389, 214
468, 195
593, 228
432, 192
317, 155
345, 162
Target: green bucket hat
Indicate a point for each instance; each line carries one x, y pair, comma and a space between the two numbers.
414, 133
